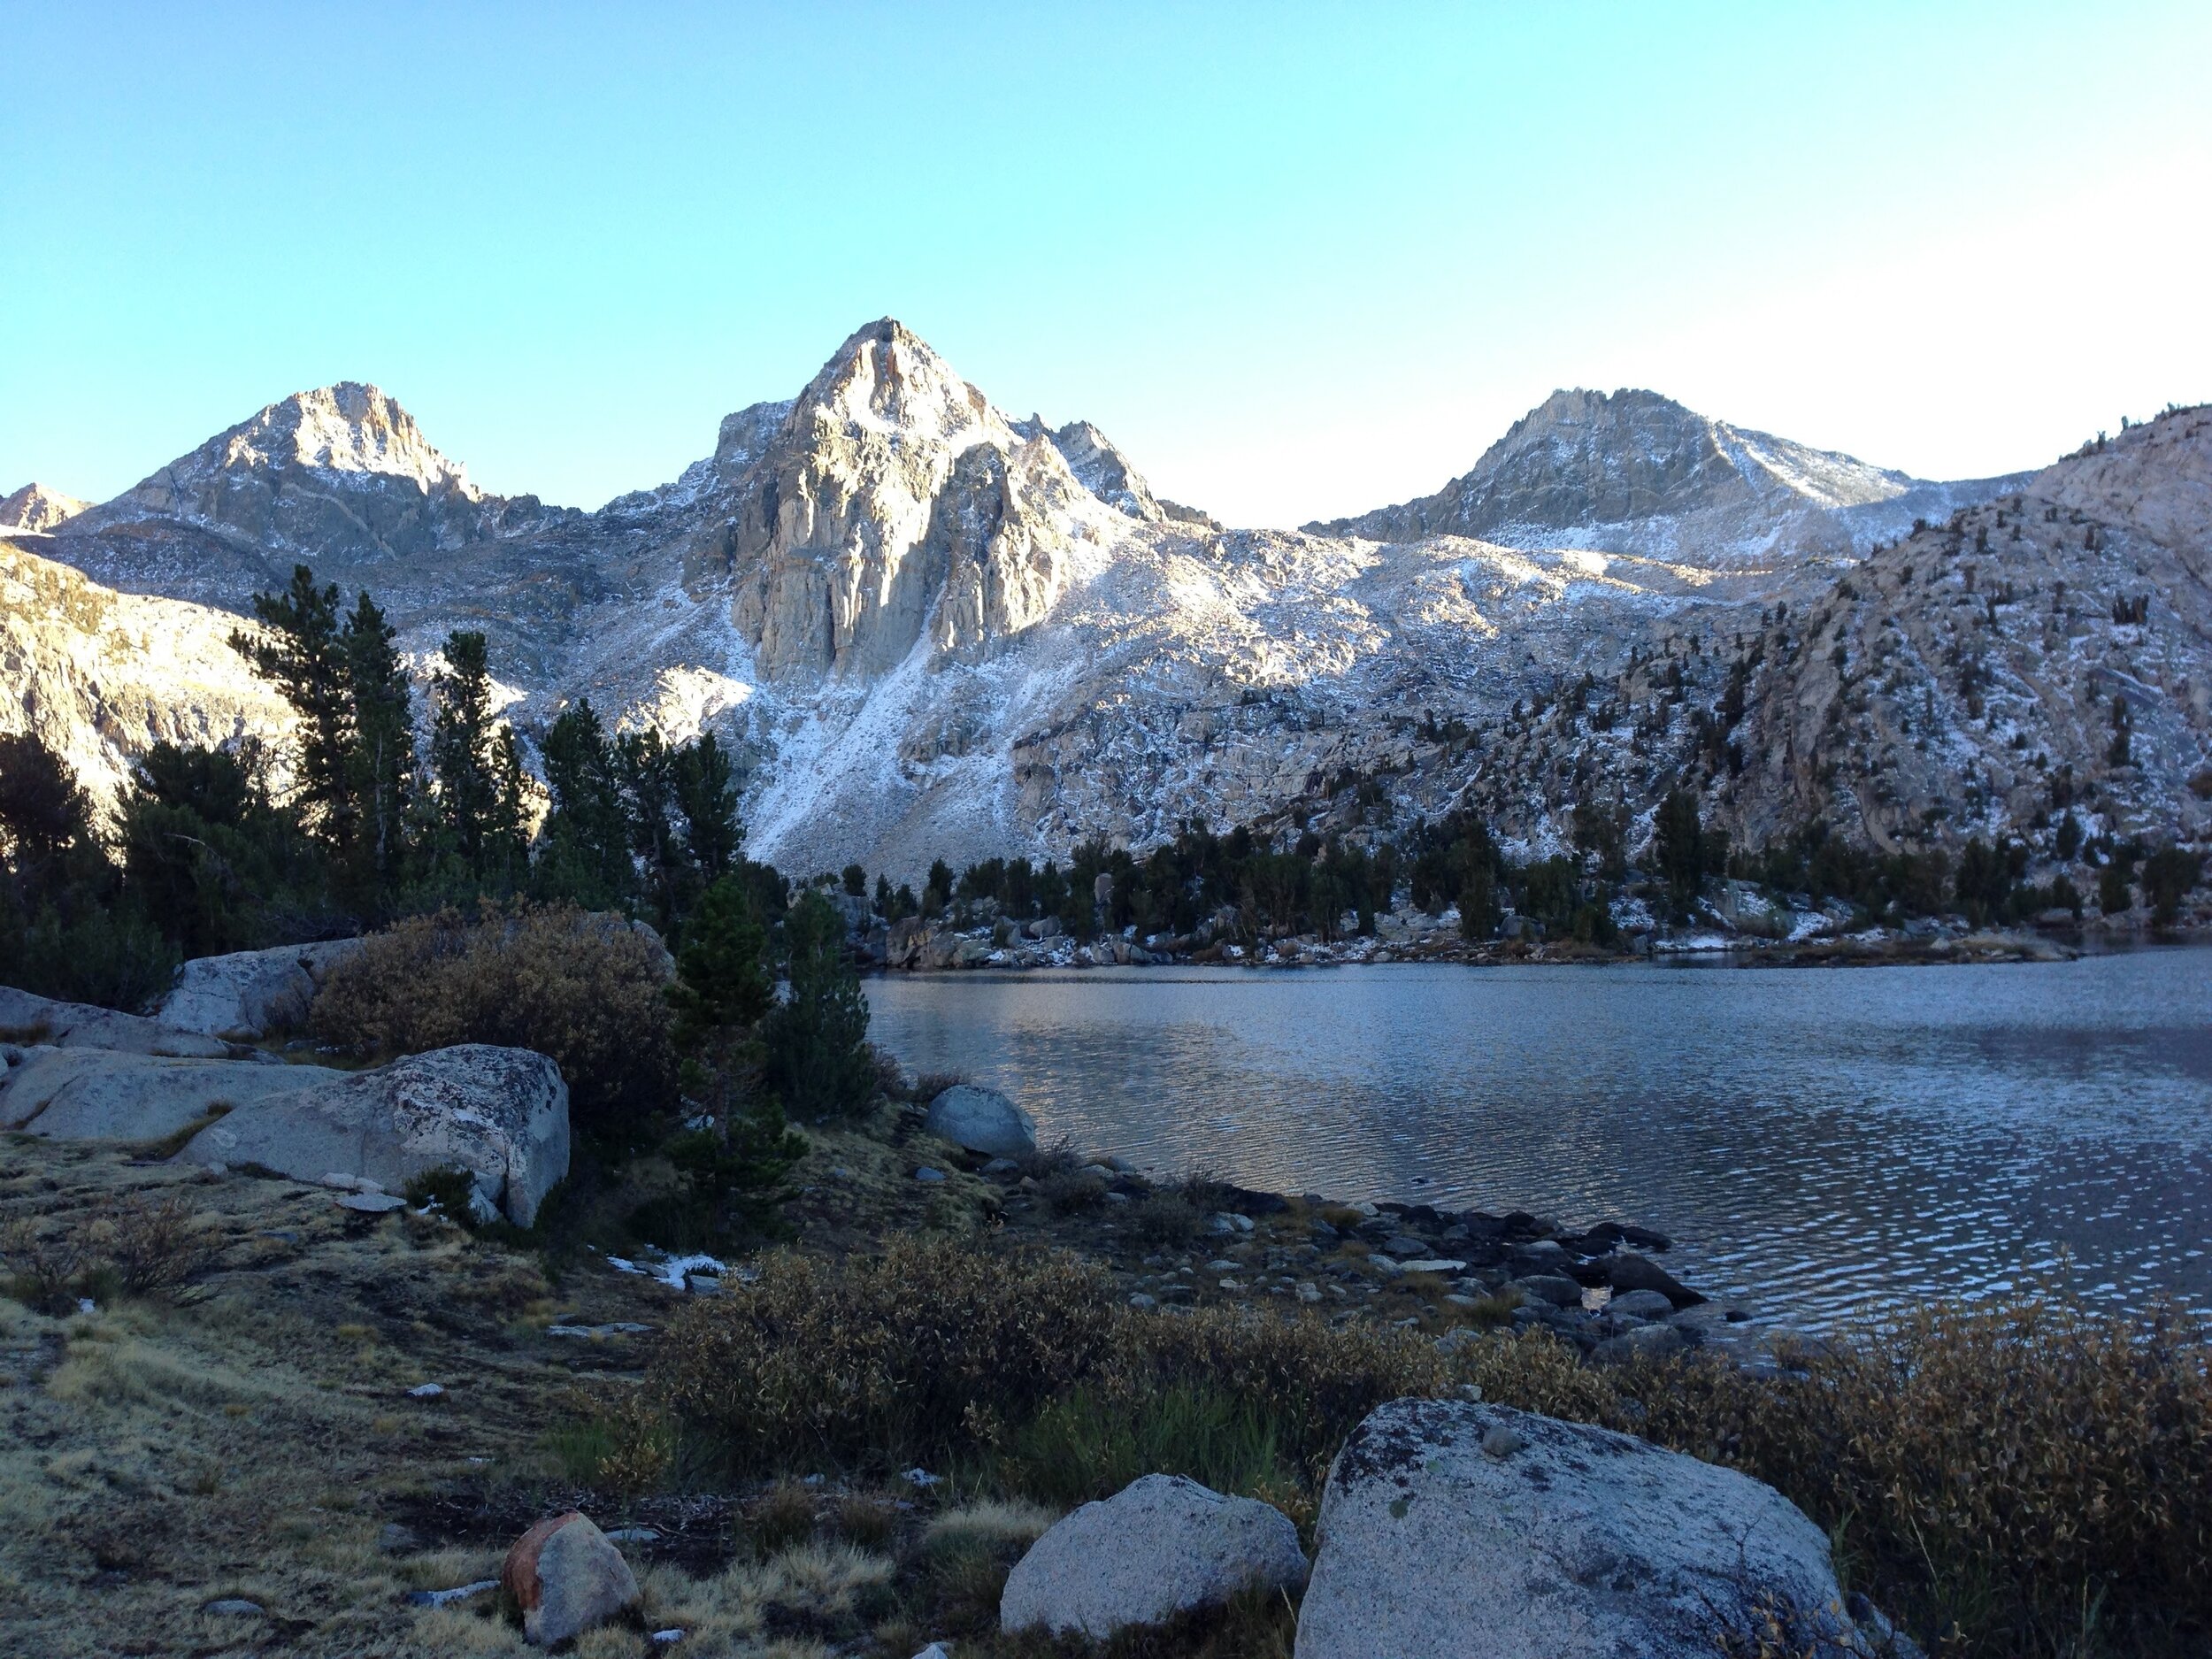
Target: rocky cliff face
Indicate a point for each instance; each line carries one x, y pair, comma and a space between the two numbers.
102, 676
930, 630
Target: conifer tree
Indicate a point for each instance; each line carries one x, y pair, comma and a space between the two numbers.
477, 765
706, 793
586, 850
382, 765
303, 655
817, 1060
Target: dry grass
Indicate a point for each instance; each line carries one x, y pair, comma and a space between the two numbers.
583, 987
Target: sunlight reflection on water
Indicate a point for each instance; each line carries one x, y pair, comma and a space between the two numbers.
1818, 1143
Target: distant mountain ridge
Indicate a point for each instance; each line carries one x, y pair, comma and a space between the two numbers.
931, 629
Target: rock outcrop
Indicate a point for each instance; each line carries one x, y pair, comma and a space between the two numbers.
1480, 1532
102, 1095
26, 1019
501, 1114
1157, 1547
249, 995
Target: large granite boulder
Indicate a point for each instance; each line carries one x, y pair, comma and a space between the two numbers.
501, 1114
982, 1120
250, 993
1484, 1533
99, 1094
26, 1018
1158, 1546
566, 1576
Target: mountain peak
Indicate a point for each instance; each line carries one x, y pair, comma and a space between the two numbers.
347, 427
1582, 459
37, 508
885, 378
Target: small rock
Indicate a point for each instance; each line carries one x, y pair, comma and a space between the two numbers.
235, 1606
566, 1578
1221, 1264
1501, 1441
1143, 1303
1434, 1264
372, 1203
459, 1593
935, 1650
928, 1176
1640, 1304
635, 1535
1308, 1291
1001, 1166
666, 1637
425, 1391
1650, 1342
1549, 1288
1404, 1244
920, 1477
620, 1327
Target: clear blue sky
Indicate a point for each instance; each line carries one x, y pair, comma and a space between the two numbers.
1297, 260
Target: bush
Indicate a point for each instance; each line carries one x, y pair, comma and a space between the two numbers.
911, 1355
586, 988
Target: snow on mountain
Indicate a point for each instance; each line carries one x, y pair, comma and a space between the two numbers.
930, 630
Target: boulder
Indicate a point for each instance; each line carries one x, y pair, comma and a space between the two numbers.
99, 1094
567, 1577
501, 1114
1640, 1304
26, 1018
1473, 1530
250, 994
1159, 1546
982, 1120
1628, 1270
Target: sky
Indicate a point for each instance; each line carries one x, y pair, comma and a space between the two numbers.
1297, 261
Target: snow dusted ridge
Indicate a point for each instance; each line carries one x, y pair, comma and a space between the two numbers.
932, 630
36, 508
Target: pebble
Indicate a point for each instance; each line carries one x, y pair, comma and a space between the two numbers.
237, 1605
666, 1637
425, 1391
927, 1175
1221, 1264
1501, 1441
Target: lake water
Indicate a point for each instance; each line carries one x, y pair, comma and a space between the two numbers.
1818, 1142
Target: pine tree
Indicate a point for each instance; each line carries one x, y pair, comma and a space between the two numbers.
477, 765
1679, 844
382, 767
817, 1059
304, 658
585, 855
736, 1162
648, 767
706, 793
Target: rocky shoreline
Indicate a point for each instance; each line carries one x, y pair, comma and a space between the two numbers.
952, 944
